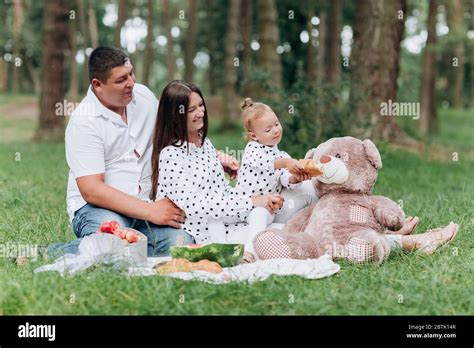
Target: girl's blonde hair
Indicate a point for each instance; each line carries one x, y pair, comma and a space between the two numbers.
251, 111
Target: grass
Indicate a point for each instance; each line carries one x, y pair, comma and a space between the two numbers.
32, 211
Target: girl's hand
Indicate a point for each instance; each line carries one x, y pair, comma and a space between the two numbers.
297, 178
271, 202
295, 167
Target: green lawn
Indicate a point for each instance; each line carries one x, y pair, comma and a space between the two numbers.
32, 211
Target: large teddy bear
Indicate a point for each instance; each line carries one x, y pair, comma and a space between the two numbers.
347, 221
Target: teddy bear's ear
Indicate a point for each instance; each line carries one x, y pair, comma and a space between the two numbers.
372, 153
309, 154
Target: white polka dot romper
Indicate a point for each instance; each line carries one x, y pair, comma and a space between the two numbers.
257, 174
194, 180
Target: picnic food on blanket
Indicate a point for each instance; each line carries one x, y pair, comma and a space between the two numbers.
311, 167
113, 227
347, 221
183, 265
226, 255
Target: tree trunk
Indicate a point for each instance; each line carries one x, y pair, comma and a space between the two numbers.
333, 42
321, 55
310, 55
93, 30
148, 54
267, 57
17, 60
246, 32
375, 67
82, 5
84, 43
170, 61
73, 71
51, 122
428, 117
230, 95
190, 40
3, 75
457, 34
472, 57
121, 16
211, 76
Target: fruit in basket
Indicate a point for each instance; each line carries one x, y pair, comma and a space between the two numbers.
113, 227
131, 236
226, 255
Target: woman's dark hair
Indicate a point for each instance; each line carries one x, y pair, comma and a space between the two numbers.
171, 123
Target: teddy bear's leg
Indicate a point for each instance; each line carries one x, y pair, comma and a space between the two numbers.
275, 244
367, 246
299, 221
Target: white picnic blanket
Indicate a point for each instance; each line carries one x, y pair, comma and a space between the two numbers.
250, 272
106, 249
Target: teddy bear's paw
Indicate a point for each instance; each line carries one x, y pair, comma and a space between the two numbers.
358, 250
270, 245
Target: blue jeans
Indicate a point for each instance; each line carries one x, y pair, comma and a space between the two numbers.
88, 219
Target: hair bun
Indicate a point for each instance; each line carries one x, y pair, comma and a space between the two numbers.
248, 102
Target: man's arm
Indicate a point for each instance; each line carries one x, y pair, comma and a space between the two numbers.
94, 191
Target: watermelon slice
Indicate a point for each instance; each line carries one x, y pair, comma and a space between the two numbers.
226, 255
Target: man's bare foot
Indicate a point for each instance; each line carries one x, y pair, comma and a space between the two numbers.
409, 226
428, 242
248, 257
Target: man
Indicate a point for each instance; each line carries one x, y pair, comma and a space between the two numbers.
108, 150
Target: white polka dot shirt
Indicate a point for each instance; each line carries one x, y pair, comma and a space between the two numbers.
194, 180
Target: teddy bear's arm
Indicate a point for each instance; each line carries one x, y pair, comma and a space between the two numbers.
388, 213
300, 220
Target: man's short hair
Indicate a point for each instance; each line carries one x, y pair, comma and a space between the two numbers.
102, 60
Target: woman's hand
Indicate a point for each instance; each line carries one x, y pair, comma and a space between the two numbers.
229, 163
271, 202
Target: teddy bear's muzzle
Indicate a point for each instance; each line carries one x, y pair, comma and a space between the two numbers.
335, 171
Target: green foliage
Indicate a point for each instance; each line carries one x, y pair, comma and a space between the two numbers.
310, 113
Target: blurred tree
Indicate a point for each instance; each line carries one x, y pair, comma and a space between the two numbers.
170, 60
17, 59
268, 58
310, 54
51, 124
246, 33
93, 30
121, 17
456, 38
428, 115
231, 62
472, 56
148, 54
211, 45
3, 75
321, 53
190, 40
73, 91
375, 58
333, 42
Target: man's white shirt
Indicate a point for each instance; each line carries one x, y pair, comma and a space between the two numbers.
98, 141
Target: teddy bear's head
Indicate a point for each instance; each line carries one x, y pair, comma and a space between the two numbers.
350, 165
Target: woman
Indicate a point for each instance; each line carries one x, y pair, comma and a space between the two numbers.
186, 169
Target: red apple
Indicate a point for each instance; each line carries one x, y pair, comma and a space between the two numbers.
131, 236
